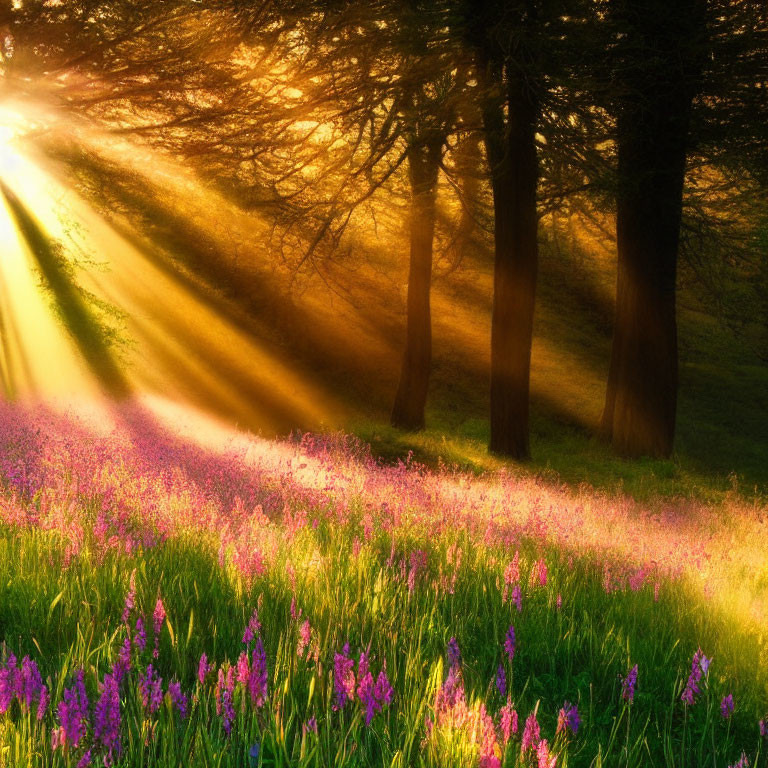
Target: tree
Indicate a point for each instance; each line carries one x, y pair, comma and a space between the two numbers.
666, 57
505, 39
385, 75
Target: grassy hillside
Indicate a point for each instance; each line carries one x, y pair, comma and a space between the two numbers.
176, 594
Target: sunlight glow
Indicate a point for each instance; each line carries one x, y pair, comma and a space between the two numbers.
189, 347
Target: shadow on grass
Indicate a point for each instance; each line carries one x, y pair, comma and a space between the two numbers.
92, 337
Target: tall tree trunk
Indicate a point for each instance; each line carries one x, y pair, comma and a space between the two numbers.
652, 136
641, 395
511, 149
411, 398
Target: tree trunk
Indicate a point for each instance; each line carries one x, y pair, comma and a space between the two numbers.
641, 396
652, 136
511, 149
411, 398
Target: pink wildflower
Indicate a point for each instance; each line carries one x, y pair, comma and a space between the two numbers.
508, 723
253, 628
203, 668
531, 733
130, 598
305, 635
545, 758
511, 575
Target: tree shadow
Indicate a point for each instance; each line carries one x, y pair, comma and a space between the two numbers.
89, 333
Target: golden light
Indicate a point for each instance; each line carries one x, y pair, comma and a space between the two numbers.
64, 262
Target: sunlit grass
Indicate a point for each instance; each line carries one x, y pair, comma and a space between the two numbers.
395, 561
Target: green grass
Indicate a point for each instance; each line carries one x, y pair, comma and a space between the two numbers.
69, 617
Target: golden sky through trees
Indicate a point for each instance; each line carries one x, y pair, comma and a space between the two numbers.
168, 334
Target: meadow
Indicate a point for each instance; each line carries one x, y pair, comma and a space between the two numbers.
174, 595
327, 332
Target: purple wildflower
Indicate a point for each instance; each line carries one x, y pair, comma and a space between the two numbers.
85, 760
253, 628
123, 663
224, 694
257, 680
509, 643
699, 668
158, 617
453, 653
203, 669
106, 718
726, 706
73, 713
383, 690
140, 639
501, 681
628, 685
42, 703
568, 717
8, 683
531, 733
517, 598
343, 677
365, 688
310, 725
763, 727
29, 683
178, 697
151, 689
743, 762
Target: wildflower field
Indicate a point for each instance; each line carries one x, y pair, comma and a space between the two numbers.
177, 597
